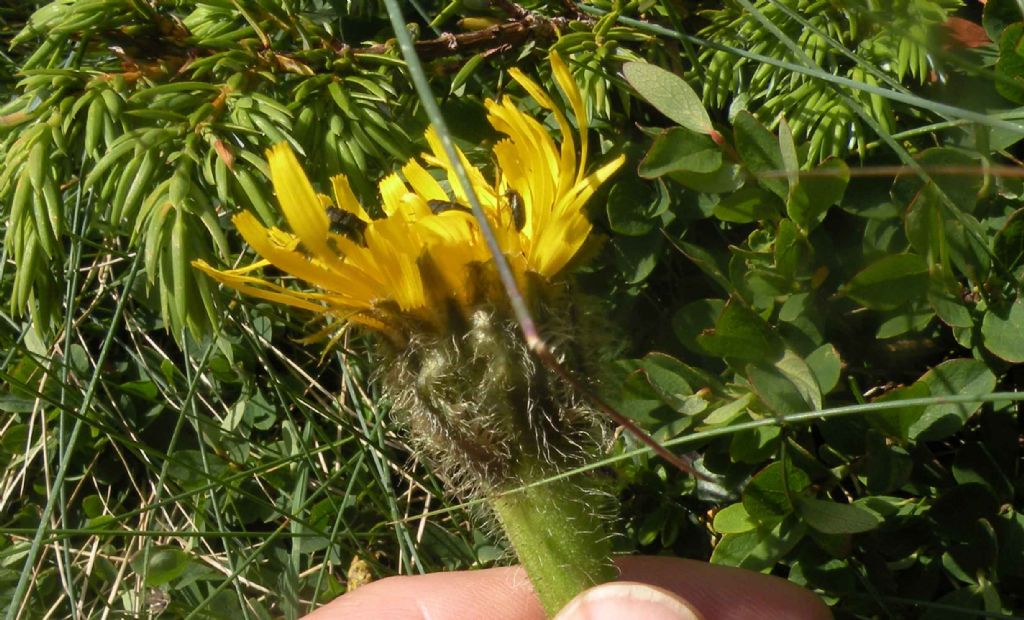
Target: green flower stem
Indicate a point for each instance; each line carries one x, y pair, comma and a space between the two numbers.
559, 536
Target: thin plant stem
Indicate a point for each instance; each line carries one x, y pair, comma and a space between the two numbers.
21, 589
780, 420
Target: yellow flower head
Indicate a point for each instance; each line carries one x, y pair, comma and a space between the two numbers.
427, 256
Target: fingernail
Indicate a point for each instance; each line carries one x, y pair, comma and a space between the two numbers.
620, 601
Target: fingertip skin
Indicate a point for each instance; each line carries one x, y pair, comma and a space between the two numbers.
724, 592
494, 593
628, 599
713, 592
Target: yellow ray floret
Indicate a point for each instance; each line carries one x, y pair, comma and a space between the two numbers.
426, 256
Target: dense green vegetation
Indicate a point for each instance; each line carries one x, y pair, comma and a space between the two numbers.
813, 259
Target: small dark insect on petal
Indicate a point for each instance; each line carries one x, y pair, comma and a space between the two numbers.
347, 224
440, 206
514, 200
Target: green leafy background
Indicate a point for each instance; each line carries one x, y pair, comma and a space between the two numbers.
814, 257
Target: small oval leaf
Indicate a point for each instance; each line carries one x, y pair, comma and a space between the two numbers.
669, 94
835, 518
890, 282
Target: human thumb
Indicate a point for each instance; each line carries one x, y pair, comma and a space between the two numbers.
623, 600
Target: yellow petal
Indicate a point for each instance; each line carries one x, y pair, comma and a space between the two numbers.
252, 286
341, 280
568, 151
346, 199
572, 92
414, 208
574, 200
450, 227
554, 245
518, 176
532, 88
422, 183
394, 246
482, 189
304, 211
531, 155
392, 189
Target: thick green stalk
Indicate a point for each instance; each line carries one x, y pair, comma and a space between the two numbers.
558, 533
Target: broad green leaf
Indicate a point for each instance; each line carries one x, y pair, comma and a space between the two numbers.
948, 304
760, 153
78, 359
755, 445
748, 204
826, 365
831, 517
924, 226
787, 148
816, 192
952, 377
632, 207
883, 237
680, 150
234, 417
945, 167
729, 411
638, 256
800, 375
674, 375
761, 548
1010, 527
889, 282
741, 333
712, 265
259, 413
92, 505
963, 190
143, 389
793, 253
775, 390
695, 318
190, 469
669, 94
675, 383
909, 320
733, 519
769, 495
638, 400
1010, 65
1002, 332
1008, 245
722, 181
967, 242
998, 15
897, 422
14, 440
886, 467
10, 403
164, 565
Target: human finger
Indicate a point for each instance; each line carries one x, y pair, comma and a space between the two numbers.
714, 592
628, 599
